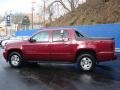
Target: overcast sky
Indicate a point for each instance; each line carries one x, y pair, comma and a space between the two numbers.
19, 6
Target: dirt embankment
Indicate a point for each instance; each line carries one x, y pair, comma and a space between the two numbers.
91, 12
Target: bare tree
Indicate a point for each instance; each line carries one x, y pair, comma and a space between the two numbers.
69, 5
50, 12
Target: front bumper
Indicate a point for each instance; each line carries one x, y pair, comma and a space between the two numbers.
5, 55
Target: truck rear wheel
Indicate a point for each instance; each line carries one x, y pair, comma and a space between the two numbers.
15, 59
86, 62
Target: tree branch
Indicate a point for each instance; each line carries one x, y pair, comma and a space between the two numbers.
61, 2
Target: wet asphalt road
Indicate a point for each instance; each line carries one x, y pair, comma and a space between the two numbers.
50, 77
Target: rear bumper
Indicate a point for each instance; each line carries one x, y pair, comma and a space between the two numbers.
115, 57
106, 56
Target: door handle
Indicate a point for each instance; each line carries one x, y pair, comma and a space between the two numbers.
66, 44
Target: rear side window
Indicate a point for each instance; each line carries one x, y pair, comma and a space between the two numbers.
58, 37
66, 34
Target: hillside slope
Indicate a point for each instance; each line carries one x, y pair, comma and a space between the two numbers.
91, 12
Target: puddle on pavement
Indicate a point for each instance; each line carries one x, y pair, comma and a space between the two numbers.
64, 78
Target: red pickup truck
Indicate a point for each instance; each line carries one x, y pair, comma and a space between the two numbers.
61, 46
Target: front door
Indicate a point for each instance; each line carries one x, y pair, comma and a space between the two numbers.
39, 49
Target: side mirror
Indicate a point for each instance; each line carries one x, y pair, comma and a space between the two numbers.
31, 40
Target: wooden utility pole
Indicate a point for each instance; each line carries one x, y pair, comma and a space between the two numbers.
33, 14
44, 13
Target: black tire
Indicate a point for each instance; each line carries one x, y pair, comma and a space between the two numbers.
15, 59
86, 62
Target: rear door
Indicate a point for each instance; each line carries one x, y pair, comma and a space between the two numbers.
61, 46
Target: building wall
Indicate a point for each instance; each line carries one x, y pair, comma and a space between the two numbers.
101, 30
3, 31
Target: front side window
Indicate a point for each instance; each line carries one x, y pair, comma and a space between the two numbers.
41, 37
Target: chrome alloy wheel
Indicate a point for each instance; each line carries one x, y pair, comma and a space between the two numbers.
86, 63
15, 60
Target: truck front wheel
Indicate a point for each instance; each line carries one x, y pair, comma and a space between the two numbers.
15, 59
86, 62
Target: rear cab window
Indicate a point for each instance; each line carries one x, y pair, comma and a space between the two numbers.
79, 35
